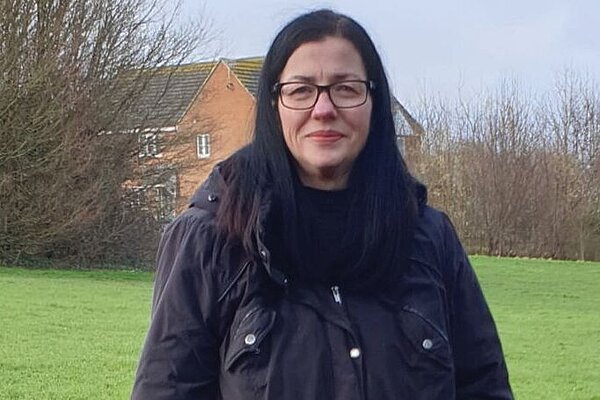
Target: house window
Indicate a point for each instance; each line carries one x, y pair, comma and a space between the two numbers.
163, 199
157, 195
161, 194
148, 145
203, 146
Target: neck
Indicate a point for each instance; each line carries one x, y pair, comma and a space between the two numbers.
325, 179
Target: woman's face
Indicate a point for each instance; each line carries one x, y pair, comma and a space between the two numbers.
325, 140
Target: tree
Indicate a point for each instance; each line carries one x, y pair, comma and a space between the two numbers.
519, 175
573, 126
70, 73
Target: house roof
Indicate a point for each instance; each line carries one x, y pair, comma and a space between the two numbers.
247, 71
405, 123
169, 92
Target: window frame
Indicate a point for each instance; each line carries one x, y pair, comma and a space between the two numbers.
148, 145
203, 147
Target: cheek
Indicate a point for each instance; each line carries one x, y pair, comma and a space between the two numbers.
284, 117
290, 124
285, 126
363, 125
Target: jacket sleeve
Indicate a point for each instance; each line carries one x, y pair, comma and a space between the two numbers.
480, 368
179, 359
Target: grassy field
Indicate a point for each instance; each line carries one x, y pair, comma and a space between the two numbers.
70, 334
77, 334
548, 315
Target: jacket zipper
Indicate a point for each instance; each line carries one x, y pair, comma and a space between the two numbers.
337, 297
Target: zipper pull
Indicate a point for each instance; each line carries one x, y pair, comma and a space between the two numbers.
337, 297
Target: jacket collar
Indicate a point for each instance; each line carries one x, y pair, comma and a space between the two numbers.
207, 198
208, 195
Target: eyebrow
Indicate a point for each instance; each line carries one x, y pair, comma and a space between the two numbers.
336, 77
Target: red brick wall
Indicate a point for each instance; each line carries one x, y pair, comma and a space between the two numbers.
225, 110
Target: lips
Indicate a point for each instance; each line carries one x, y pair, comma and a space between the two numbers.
325, 136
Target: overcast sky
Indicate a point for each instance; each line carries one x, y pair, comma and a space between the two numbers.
436, 46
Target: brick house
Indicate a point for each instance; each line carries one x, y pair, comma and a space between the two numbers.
198, 114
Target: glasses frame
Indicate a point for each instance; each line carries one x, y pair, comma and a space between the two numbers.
370, 85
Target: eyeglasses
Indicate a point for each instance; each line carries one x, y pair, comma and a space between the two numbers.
304, 96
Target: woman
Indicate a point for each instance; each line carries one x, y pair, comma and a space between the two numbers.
308, 265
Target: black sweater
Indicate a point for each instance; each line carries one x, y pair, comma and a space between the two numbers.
323, 250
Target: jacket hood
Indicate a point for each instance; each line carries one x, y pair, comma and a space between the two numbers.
208, 194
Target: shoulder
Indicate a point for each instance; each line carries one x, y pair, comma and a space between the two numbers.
191, 230
433, 226
436, 241
192, 248
184, 248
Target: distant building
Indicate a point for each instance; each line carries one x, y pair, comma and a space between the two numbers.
191, 116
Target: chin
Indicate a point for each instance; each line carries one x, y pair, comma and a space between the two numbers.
326, 160
327, 164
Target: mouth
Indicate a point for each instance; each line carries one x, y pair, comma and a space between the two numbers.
325, 136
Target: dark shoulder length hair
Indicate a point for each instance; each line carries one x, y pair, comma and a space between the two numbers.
384, 206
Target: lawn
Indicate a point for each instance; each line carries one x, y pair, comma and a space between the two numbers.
77, 334
548, 315
70, 334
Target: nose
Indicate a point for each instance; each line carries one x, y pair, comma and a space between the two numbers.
324, 108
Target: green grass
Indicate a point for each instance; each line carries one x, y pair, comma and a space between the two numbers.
77, 334
548, 316
70, 334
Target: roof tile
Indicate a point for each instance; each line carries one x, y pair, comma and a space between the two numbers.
168, 93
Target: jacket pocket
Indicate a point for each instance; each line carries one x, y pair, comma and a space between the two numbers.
247, 336
428, 346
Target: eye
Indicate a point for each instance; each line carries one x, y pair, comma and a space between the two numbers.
297, 90
348, 88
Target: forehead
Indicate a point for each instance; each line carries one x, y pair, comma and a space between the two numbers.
332, 57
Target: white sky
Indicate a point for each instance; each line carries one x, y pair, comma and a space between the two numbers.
438, 47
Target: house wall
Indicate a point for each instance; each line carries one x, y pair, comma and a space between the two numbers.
225, 110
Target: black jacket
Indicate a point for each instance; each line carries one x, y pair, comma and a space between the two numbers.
226, 327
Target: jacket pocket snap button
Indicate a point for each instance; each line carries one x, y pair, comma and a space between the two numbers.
427, 344
250, 339
354, 352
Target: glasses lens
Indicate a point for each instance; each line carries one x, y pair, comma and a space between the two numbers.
348, 94
298, 95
